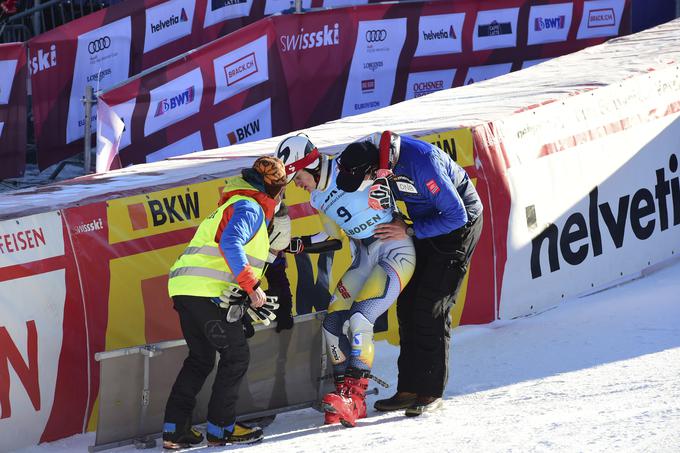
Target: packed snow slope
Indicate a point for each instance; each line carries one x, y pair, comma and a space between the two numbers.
597, 374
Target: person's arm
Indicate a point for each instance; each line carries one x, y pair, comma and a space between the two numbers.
325, 241
434, 183
240, 222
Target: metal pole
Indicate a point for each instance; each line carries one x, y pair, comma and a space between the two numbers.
89, 92
298, 6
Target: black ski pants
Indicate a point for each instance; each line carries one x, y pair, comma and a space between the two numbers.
424, 306
207, 332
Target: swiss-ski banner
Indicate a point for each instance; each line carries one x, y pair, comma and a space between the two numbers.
12, 110
290, 72
109, 46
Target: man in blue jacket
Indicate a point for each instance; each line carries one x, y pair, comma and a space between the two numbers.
446, 212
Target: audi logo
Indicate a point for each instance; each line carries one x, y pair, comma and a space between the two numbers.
99, 44
376, 35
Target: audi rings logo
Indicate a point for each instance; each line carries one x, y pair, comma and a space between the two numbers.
376, 35
99, 44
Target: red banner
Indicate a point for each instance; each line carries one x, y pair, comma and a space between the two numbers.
12, 110
295, 71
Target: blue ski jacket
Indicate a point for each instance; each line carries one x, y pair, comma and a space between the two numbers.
438, 193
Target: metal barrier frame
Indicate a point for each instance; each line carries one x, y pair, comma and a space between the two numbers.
148, 351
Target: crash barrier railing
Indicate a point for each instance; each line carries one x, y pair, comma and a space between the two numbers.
36, 17
286, 373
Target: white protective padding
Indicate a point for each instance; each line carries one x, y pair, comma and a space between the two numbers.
467, 106
605, 117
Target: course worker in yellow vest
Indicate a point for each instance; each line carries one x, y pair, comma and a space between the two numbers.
227, 254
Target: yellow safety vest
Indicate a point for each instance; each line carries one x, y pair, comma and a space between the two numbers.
201, 270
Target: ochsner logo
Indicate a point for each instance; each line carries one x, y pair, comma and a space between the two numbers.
169, 22
636, 209
327, 36
604, 17
549, 23
185, 97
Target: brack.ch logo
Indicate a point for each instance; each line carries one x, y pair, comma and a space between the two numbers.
376, 35
604, 17
98, 45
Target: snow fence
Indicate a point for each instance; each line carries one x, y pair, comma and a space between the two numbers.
576, 161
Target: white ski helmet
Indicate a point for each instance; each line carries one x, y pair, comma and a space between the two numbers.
298, 153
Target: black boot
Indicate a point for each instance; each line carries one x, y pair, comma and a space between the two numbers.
176, 437
401, 400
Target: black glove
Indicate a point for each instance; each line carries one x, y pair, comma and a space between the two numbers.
248, 329
265, 313
297, 245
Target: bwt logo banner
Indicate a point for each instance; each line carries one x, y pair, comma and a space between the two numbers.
174, 101
240, 69
302, 40
546, 23
549, 23
185, 97
581, 234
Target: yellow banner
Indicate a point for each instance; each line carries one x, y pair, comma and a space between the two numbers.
456, 143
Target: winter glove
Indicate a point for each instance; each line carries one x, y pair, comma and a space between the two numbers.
279, 238
296, 246
236, 302
248, 329
265, 313
379, 195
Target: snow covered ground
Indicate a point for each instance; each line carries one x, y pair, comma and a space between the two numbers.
600, 373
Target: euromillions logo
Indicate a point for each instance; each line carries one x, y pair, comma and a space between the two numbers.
167, 104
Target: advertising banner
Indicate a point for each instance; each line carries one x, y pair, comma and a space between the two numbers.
12, 110
324, 65
567, 236
109, 46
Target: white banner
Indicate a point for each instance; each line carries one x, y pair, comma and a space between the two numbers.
168, 22
7, 72
102, 60
423, 83
219, 11
439, 35
479, 73
241, 69
495, 29
374, 65
549, 23
276, 6
600, 18
174, 101
109, 131
248, 125
31, 238
590, 203
188, 144
31, 335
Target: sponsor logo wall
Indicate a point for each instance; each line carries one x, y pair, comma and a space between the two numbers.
299, 63
109, 46
13, 73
